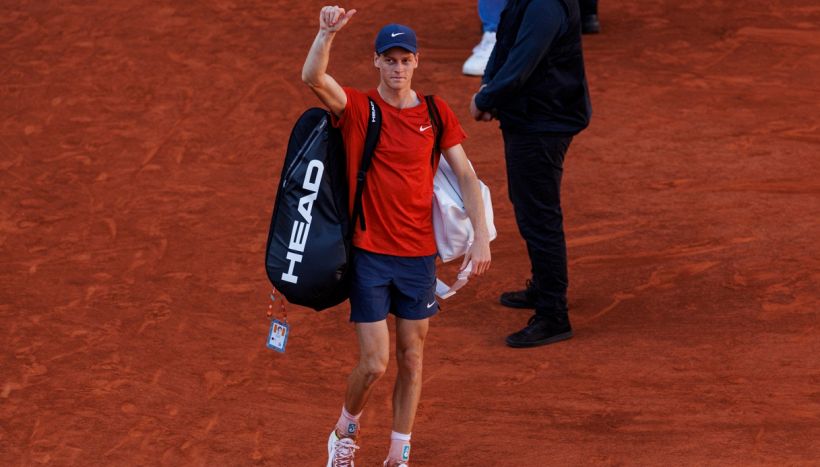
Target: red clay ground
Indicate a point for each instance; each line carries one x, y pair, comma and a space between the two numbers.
140, 146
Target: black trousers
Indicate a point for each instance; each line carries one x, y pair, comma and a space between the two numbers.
588, 7
535, 164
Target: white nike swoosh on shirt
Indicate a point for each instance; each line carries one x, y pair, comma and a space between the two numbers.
430, 305
394, 34
423, 128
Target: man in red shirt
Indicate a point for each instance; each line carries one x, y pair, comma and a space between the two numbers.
394, 258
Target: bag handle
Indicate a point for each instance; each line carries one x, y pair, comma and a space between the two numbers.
445, 291
374, 127
438, 127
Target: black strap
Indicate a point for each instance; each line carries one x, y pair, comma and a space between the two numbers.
374, 128
438, 127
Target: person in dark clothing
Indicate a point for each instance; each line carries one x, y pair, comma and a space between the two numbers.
589, 17
536, 86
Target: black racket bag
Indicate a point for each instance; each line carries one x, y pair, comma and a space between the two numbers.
309, 241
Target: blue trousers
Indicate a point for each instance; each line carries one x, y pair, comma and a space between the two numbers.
490, 12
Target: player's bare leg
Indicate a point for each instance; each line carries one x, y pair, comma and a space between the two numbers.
410, 335
374, 351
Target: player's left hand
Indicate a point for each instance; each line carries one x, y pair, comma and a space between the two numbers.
479, 254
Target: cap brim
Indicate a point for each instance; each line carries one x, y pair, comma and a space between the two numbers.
402, 45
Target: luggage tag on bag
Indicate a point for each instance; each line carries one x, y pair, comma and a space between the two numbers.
278, 336
279, 329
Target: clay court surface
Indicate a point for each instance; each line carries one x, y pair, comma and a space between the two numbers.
140, 145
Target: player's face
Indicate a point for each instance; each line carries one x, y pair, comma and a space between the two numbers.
396, 67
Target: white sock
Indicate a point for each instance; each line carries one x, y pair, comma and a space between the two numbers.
348, 425
399, 446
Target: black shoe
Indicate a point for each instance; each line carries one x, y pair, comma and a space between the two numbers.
520, 298
590, 24
541, 330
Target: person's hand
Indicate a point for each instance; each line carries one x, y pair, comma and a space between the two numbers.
479, 254
478, 114
333, 18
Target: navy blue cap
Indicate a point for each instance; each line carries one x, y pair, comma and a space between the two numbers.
395, 35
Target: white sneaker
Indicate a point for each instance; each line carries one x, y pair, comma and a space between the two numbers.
340, 451
475, 65
386, 464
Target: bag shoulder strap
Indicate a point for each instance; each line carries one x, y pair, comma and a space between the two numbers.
438, 127
374, 127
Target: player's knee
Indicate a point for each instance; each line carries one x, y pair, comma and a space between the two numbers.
373, 369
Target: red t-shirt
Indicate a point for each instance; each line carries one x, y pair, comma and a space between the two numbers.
398, 196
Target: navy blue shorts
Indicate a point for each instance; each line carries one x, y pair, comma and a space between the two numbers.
382, 284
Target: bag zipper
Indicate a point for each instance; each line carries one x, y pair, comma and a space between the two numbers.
314, 135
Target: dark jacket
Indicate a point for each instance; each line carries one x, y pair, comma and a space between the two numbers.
535, 77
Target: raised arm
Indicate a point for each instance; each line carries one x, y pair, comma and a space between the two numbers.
314, 71
479, 252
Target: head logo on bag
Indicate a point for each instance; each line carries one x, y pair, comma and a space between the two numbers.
300, 230
372, 111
